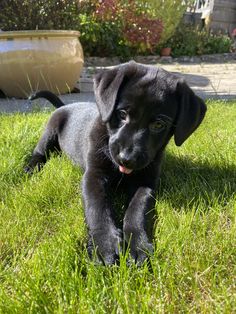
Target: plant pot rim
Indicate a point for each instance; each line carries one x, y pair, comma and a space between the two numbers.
38, 33
166, 48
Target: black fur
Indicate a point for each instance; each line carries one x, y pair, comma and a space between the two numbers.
119, 143
49, 96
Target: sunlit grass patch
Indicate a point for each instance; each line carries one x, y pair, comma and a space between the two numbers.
44, 266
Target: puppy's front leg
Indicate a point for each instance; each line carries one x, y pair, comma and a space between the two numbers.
138, 223
104, 237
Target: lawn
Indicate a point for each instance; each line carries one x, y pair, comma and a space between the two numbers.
44, 266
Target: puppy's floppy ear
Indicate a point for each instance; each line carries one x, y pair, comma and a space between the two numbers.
106, 87
191, 113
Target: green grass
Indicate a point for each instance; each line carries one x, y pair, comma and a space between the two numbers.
44, 266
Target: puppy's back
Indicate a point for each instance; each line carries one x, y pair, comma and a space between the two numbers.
74, 134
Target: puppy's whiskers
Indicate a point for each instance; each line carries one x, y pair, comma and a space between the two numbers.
104, 153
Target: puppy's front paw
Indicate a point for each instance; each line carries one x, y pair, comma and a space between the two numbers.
104, 246
140, 248
36, 162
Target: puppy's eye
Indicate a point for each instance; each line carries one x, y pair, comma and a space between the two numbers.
157, 126
122, 115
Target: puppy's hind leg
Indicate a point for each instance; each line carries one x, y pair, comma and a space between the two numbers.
48, 143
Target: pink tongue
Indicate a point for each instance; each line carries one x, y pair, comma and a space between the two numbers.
125, 170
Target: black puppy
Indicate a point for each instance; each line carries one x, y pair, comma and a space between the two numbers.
120, 142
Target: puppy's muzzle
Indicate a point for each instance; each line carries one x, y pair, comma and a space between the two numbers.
125, 159
129, 160
125, 162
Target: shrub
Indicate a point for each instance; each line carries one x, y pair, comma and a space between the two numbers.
40, 14
139, 28
99, 37
108, 27
128, 27
189, 41
215, 43
115, 27
119, 27
170, 12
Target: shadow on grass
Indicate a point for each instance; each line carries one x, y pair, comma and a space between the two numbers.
184, 181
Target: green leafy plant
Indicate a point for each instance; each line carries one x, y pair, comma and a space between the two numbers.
189, 41
41, 14
216, 43
100, 37
119, 27
126, 28
140, 29
116, 27
170, 12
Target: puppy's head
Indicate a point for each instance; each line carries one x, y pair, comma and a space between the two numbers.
143, 106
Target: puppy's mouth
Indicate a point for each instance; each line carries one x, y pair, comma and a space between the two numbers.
125, 170
128, 165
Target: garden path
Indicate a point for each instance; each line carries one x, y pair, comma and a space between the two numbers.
208, 80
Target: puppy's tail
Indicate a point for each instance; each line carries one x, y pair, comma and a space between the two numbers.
56, 101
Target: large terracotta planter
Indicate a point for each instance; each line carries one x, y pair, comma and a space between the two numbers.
37, 60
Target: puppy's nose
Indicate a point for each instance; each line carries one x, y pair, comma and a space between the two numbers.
124, 159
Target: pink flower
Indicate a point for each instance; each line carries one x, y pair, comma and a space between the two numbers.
234, 33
